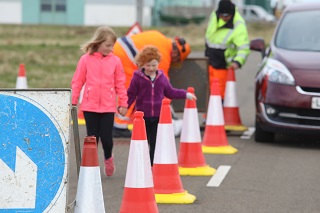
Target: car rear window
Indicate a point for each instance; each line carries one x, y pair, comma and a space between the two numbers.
299, 30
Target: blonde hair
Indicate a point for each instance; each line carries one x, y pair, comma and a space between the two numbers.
101, 35
147, 54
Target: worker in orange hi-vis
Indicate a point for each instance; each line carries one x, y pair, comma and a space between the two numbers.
173, 52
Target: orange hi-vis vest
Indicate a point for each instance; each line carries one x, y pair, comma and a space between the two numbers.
127, 47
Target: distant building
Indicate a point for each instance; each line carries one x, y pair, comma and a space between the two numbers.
108, 12
74, 12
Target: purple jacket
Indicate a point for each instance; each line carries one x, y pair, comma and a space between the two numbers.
148, 95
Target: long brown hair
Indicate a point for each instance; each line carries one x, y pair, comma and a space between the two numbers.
101, 34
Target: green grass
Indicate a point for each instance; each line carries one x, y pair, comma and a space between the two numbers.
50, 53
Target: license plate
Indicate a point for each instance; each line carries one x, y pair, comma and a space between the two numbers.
315, 103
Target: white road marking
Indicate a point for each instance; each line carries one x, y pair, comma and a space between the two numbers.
247, 134
219, 176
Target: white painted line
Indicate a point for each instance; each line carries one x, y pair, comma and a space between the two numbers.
247, 134
219, 176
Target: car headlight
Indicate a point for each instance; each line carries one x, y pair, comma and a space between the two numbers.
277, 72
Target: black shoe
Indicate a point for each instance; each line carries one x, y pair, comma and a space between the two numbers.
121, 133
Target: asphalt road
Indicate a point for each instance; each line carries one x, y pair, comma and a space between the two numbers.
278, 177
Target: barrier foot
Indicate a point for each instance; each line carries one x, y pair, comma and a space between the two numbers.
197, 171
175, 198
219, 150
239, 128
81, 122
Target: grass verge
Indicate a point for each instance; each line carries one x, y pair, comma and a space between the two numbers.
50, 53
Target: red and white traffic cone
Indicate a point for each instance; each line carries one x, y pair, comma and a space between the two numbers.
21, 82
89, 196
138, 193
167, 182
191, 160
230, 105
215, 139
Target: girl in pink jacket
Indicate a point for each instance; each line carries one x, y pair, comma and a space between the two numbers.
102, 74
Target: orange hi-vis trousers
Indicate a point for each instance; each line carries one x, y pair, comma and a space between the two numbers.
221, 75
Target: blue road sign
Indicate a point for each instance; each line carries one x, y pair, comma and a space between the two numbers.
29, 128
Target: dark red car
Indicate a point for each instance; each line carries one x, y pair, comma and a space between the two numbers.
287, 93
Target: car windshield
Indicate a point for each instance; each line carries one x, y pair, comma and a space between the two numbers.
299, 31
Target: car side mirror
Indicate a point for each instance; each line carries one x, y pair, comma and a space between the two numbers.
258, 44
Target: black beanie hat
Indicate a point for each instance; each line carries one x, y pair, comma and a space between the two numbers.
226, 7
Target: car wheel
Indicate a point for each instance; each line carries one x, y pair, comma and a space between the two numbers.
263, 136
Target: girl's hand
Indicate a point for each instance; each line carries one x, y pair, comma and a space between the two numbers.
191, 96
122, 110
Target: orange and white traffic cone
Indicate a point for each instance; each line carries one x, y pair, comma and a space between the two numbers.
89, 196
230, 105
167, 183
21, 82
138, 193
215, 139
81, 120
191, 160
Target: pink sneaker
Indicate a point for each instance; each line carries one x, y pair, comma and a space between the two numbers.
109, 167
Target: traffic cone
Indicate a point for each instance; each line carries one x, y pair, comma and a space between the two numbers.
167, 183
230, 105
191, 160
21, 82
81, 120
89, 196
215, 139
138, 193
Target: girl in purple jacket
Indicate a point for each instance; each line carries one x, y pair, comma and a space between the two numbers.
148, 87
102, 74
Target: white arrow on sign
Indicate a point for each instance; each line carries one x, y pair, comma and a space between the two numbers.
18, 189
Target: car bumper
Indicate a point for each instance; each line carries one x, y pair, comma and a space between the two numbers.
288, 109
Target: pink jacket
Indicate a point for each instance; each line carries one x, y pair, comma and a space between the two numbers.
104, 81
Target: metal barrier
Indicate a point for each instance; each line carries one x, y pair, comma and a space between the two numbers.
192, 73
76, 140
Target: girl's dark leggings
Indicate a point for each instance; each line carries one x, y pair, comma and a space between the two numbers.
100, 125
151, 129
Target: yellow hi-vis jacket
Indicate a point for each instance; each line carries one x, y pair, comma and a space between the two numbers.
226, 42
